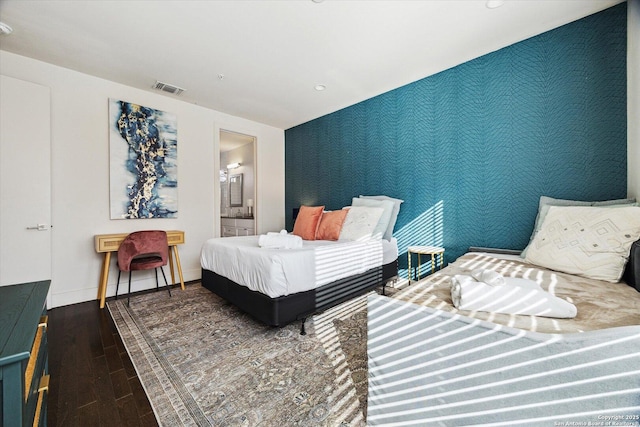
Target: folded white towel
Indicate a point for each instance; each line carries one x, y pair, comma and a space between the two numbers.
278, 233
279, 241
493, 278
489, 277
516, 296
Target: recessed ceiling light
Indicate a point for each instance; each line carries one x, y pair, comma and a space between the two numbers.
319, 87
492, 4
5, 29
317, 1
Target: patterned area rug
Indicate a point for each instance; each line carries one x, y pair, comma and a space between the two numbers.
352, 335
203, 362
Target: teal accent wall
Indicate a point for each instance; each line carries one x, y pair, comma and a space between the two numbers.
471, 150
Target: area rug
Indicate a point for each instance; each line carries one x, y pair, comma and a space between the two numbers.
203, 362
352, 335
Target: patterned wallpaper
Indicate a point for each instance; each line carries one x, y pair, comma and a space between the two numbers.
471, 150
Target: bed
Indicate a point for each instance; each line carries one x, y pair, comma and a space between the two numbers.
431, 364
279, 286
328, 258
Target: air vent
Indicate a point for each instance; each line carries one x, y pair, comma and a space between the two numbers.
165, 87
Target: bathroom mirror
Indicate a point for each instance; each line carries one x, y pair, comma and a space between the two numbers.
235, 190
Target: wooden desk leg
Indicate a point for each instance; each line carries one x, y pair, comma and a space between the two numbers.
104, 278
173, 276
175, 252
409, 265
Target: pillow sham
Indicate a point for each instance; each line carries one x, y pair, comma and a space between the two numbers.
360, 222
587, 241
388, 234
546, 202
387, 206
307, 222
331, 225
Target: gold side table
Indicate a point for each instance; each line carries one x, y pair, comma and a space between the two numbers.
434, 251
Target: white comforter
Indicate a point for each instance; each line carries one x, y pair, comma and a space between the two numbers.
279, 272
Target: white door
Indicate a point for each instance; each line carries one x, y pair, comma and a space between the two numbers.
25, 182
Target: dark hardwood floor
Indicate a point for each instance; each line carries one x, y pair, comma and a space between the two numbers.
92, 379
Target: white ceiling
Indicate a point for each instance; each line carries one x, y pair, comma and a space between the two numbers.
272, 53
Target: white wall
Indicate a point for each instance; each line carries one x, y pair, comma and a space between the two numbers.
633, 98
80, 175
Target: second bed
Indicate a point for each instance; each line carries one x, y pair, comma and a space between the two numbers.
279, 286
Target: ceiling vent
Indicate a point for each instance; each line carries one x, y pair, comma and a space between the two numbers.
165, 87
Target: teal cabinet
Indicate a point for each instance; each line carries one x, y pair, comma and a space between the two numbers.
24, 379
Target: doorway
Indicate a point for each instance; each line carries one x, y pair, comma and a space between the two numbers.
237, 184
25, 182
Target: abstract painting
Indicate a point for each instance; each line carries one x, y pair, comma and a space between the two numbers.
143, 162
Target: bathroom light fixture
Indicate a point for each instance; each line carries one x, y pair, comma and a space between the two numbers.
250, 206
233, 165
5, 29
319, 87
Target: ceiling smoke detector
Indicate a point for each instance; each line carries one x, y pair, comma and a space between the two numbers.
5, 29
494, 4
166, 87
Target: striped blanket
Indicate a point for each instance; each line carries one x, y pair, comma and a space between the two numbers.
430, 364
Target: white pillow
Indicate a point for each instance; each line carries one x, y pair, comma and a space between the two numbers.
394, 214
360, 223
586, 241
383, 223
546, 202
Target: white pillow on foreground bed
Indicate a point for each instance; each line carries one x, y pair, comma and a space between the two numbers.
586, 241
546, 202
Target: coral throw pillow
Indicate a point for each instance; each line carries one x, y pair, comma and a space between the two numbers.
331, 225
307, 222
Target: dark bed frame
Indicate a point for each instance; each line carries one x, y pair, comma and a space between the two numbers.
632, 271
283, 310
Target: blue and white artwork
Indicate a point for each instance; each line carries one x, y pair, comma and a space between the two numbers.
143, 162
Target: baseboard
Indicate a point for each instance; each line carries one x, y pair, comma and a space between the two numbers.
59, 298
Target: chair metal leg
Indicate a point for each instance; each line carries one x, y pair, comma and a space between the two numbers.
118, 284
129, 293
165, 280
157, 284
